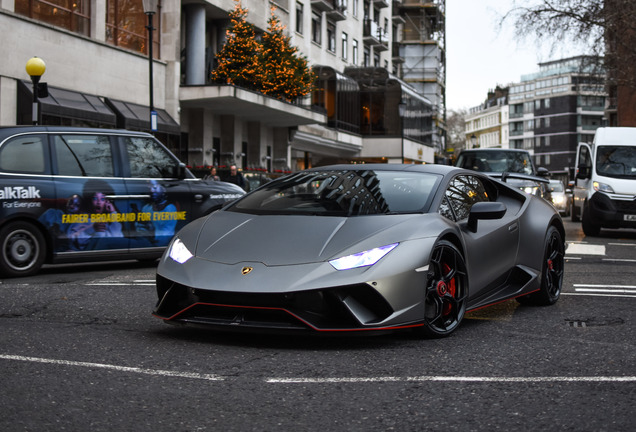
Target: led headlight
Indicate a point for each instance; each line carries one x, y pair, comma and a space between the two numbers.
362, 259
179, 252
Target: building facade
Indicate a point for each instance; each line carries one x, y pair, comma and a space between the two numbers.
487, 124
97, 71
551, 111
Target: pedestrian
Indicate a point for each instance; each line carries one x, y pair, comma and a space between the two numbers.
236, 177
212, 175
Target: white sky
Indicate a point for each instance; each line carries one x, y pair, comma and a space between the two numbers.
480, 55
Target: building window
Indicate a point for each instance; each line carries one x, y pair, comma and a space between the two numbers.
316, 28
354, 7
546, 102
528, 107
126, 27
59, 13
376, 60
345, 45
366, 62
299, 17
354, 53
331, 37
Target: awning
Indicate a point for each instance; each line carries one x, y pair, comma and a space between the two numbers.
134, 116
70, 104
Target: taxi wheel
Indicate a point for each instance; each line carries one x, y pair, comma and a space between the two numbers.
22, 249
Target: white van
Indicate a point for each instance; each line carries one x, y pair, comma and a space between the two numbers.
605, 181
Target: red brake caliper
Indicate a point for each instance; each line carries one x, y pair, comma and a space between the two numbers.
444, 288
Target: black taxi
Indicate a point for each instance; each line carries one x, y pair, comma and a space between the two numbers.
77, 194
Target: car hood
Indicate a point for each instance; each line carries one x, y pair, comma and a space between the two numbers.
230, 237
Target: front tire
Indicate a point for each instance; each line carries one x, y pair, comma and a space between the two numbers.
551, 272
446, 291
22, 249
590, 229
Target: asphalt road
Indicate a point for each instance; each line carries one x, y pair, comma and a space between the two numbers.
79, 351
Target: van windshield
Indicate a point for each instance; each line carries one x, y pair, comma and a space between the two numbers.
616, 161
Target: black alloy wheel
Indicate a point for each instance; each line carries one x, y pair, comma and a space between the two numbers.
22, 249
551, 273
446, 291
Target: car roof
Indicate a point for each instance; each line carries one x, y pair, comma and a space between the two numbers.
6, 131
424, 168
492, 149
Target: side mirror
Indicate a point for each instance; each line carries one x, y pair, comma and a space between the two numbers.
180, 171
583, 172
543, 172
485, 210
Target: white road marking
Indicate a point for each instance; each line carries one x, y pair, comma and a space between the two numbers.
353, 380
451, 378
602, 286
598, 295
585, 249
118, 284
622, 244
159, 372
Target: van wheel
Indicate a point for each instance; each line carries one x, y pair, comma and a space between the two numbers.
589, 228
23, 249
575, 215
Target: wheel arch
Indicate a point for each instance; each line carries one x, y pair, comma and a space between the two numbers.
48, 257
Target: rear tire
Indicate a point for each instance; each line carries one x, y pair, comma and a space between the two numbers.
446, 291
551, 272
22, 249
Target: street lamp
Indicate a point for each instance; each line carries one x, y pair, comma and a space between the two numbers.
35, 67
473, 141
402, 113
150, 8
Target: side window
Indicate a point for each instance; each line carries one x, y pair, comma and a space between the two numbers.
445, 209
584, 157
462, 193
148, 159
84, 155
23, 155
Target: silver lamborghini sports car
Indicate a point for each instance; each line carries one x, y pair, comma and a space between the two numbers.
355, 248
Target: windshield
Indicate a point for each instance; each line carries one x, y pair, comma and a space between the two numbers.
342, 193
496, 161
616, 161
556, 187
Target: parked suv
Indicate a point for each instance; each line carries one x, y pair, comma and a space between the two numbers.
75, 194
510, 165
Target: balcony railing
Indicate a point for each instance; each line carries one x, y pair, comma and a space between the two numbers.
374, 35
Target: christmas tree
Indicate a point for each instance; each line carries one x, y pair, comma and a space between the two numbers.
238, 59
284, 73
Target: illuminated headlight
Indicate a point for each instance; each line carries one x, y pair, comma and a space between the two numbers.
532, 190
557, 199
362, 259
179, 252
602, 187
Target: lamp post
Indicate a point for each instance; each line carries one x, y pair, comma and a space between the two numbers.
35, 67
402, 113
150, 8
473, 141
